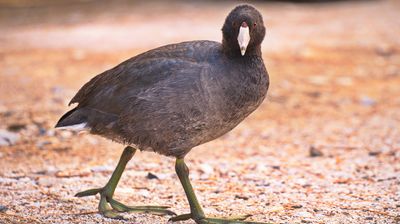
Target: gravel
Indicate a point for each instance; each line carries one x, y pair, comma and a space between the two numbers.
335, 77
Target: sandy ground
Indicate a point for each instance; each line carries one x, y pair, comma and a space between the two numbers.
324, 147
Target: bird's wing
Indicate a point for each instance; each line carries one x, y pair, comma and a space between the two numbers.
109, 91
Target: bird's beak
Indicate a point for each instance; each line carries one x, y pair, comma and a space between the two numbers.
243, 37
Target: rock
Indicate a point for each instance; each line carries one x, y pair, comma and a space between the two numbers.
306, 221
296, 206
151, 176
165, 176
65, 134
314, 152
50, 132
100, 169
277, 208
3, 208
16, 127
276, 167
241, 197
8, 138
42, 130
303, 214
385, 51
374, 153
143, 192
206, 168
302, 182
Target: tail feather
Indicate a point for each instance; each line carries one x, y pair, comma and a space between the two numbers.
88, 119
73, 118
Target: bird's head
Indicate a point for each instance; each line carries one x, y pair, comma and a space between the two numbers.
243, 30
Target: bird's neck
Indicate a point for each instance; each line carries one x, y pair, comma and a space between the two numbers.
234, 52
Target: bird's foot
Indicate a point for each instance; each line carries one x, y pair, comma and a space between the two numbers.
215, 220
117, 207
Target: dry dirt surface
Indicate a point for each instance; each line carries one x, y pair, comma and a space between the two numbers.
324, 147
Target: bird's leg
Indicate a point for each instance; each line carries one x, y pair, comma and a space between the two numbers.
196, 212
107, 192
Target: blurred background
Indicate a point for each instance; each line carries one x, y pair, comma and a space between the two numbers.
324, 147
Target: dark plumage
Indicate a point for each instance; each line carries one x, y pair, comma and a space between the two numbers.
173, 98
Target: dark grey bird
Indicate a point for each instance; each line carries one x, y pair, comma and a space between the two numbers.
170, 99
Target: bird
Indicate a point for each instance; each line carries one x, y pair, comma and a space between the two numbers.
171, 99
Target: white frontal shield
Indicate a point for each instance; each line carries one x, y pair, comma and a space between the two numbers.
243, 39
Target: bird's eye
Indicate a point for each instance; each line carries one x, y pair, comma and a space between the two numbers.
233, 24
255, 24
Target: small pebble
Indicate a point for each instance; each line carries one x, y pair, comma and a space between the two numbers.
99, 169
206, 168
8, 138
303, 214
65, 134
16, 127
3, 208
241, 197
277, 208
50, 132
151, 176
314, 152
276, 167
374, 153
144, 193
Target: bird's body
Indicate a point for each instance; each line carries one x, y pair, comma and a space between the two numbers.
172, 98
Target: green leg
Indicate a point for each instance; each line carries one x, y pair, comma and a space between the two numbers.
183, 173
107, 192
196, 212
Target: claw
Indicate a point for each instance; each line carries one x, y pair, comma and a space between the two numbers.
89, 192
118, 207
229, 220
112, 215
182, 217
158, 210
153, 207
239, 217
107, 192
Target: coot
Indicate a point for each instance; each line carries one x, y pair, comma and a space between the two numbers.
173, 98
